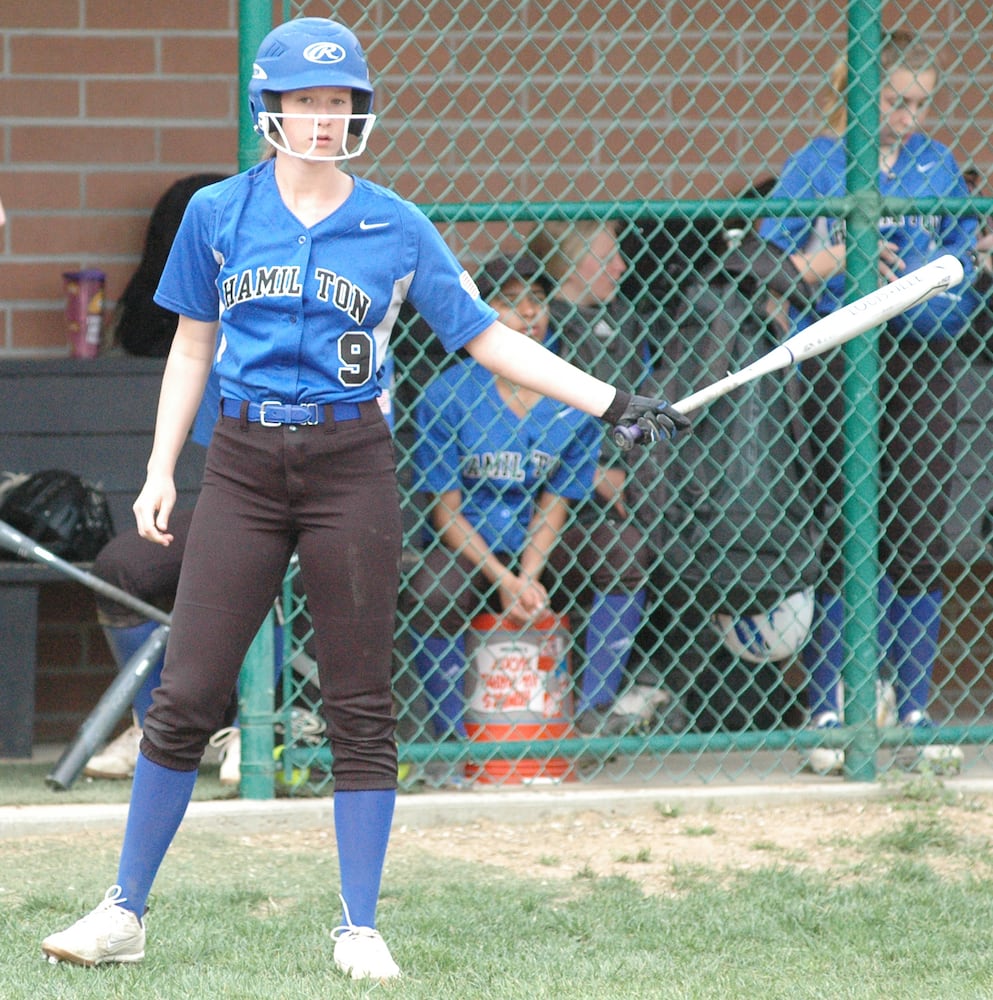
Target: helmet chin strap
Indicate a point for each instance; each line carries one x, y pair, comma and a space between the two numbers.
271, 126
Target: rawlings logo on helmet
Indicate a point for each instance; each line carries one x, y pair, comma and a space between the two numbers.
326, 53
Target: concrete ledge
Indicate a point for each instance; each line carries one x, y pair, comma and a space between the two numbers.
447, 808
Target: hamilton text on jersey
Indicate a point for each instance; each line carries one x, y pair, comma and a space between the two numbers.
507, 465
284, 282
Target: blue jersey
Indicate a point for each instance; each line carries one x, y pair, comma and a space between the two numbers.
306, 313
470, 440
924, 169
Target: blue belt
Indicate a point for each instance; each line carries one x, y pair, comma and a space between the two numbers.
272, 413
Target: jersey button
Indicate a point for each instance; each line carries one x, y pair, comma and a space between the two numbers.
302, 240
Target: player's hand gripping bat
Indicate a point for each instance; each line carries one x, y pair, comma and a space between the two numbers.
842, 325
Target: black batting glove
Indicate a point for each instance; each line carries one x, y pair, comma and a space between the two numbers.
642, 420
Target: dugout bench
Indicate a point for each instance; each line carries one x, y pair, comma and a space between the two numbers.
20, 584
95, 418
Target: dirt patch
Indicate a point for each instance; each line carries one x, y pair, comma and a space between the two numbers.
657, 848
663, 848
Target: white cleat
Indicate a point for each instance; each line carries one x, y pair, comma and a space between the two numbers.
825, 760
361, 952
940, 758
108, 933
118, 758
228, 741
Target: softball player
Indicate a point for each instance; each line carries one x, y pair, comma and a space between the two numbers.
915, 387
502, 467
287, 279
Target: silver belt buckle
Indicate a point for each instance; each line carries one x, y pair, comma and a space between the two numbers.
262, 410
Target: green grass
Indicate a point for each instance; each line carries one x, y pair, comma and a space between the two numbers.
240, 917
235, 917
23, 784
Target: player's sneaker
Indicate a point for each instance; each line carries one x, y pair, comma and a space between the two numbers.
643, 703
361, 952
228, 741
107, 934
825, 760
942, 758
118, 758
655, 709
607, 720
885, 704
305, 726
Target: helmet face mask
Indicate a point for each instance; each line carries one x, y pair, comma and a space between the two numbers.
271, 124
305, 53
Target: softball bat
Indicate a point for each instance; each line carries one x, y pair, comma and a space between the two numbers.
27, 548
839, 327
115, 702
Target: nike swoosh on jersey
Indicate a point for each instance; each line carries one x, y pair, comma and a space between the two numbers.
366, 226
925, 167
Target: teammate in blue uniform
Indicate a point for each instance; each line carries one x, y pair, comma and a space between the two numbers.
287, 279
915, 388
502, 467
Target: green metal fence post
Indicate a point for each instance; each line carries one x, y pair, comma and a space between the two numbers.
254, 23
861, 459
256, 702
256, 715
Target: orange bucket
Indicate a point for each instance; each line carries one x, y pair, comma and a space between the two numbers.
518, 687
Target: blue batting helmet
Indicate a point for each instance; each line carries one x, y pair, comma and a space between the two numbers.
309, 52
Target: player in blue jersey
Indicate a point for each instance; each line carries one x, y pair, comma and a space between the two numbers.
287, 279
915, 388
502, 467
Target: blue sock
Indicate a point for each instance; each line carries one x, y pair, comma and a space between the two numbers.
441, 665
823, 656
124, 643
159, 798
915, 622
610, 633
362, 823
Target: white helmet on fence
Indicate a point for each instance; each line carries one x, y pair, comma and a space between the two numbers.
772, 635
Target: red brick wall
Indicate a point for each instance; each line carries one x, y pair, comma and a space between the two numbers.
105, 102
74, 664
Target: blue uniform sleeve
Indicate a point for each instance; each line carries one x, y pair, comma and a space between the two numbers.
443, 292
947, 315
816, 171
188, 285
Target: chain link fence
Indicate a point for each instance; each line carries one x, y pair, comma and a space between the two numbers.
659, 132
